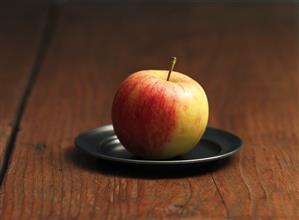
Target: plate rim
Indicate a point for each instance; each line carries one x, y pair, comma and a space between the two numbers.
159, 162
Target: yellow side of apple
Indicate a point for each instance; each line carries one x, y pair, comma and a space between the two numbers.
192, 114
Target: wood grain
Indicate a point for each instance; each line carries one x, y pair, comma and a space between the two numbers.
262, 105
19, 39
245, 56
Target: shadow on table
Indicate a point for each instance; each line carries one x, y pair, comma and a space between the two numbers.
83, 161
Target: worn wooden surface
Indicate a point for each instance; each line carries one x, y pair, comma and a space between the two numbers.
20, 35
245, 56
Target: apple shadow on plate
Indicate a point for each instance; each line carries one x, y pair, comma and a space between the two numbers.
84, 161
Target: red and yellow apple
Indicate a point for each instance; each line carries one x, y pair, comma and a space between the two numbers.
156, 118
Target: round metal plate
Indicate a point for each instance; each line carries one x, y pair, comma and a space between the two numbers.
102, 143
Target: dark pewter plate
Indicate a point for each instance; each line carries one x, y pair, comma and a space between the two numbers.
102, 143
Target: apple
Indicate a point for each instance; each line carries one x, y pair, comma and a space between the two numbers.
159, 116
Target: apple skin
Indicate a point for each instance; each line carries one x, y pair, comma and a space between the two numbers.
159, 119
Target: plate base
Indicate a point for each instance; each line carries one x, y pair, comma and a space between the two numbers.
102, 143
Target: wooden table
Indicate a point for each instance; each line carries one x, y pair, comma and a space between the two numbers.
60, 66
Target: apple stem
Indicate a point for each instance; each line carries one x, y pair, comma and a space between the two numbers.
173, 61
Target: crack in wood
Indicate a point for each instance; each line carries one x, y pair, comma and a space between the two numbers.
221, 197
45, 40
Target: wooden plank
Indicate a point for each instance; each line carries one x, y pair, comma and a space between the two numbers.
246, 58
262, 104
19, 39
